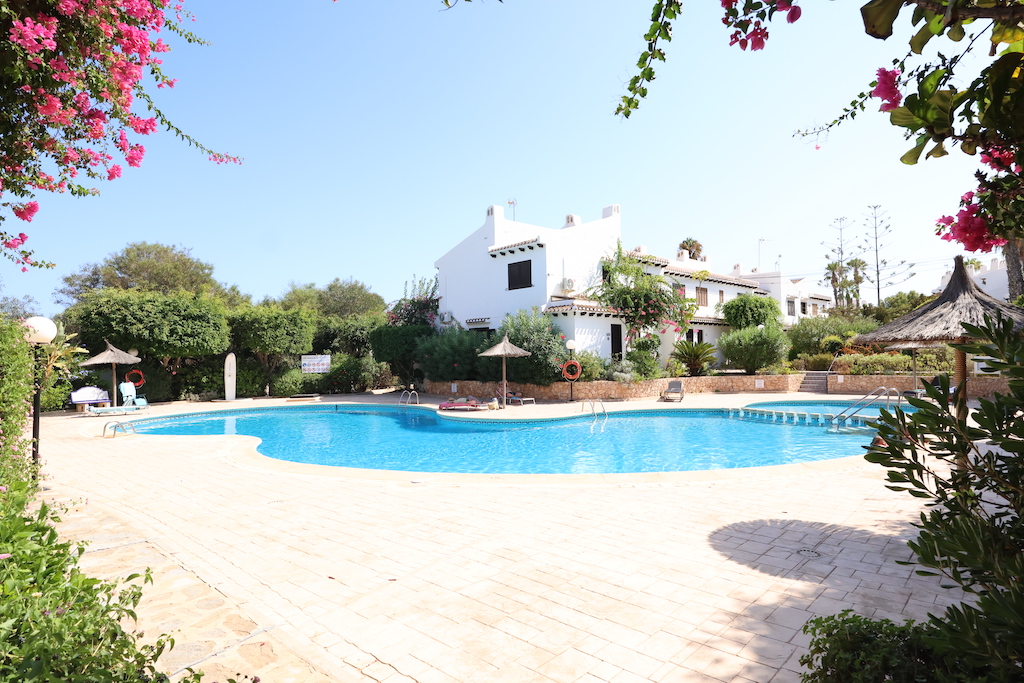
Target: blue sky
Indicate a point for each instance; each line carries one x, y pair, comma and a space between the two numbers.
376, 134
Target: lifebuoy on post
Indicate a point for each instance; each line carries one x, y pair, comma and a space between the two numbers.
572, 370
139, 382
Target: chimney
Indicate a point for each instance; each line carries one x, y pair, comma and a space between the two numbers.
609, 211
572, 220
682, 255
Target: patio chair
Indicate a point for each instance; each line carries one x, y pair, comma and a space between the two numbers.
131, 402
513, 396
468, 403
674, 392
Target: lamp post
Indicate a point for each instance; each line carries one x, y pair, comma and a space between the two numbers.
571, 345
39, 331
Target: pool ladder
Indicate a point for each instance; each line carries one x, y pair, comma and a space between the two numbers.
117, 425
594, 402
407, 396
868, 399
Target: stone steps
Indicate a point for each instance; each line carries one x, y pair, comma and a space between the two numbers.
815, 381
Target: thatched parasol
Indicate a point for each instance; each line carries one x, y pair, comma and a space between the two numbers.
114, 356
939, 321
505, 349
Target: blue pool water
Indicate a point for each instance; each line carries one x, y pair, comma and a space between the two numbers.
834, 407
417, 440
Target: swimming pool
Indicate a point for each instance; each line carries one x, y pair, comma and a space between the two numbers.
419, 440
834, 407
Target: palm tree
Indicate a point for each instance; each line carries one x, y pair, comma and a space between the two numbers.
835, 275
693, 246
857, 267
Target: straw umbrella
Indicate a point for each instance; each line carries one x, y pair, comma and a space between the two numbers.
939, 321
505, 349
114, 356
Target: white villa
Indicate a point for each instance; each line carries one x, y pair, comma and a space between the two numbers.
507, 265
796, 296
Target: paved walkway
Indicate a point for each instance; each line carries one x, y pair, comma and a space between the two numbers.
305, 574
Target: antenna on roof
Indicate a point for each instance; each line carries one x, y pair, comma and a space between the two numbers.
512, 202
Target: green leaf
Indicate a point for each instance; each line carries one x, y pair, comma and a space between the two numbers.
956, 32
911, 157
921, 39
930, 83
901, 116
879, 16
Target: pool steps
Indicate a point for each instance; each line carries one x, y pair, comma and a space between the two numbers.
795, 417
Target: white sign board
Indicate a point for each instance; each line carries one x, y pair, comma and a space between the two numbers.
229, 377
316, 364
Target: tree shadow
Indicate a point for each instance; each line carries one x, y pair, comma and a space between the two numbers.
809, 551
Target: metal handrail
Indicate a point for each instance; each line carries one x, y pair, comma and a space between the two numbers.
593, 406
407, 395
113, 431
868, 399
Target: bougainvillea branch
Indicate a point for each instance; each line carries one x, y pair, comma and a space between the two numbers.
73, 71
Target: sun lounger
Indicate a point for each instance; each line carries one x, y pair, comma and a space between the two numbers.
674, 392
132, 402
89, 395
463, 404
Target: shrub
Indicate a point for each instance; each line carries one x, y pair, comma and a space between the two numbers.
351, 374
848, 648
872, 364
15, 393
60, 625
754, 348
592, 366
249, 378
349, 335
832, 344
451, 355
397, 346
807, 335
56, 396
621, 371
644, 356
817, 361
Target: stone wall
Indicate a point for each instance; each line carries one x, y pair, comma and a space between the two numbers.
559, 391
862, 384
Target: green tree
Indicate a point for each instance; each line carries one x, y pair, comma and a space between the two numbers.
897, 305
270, 334
644, 302
150, 268
754, 348
14, 308
419, 304
349, 335
339, 298
168, 327
749, 310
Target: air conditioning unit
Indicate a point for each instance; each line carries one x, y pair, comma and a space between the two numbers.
568, 284
447, 318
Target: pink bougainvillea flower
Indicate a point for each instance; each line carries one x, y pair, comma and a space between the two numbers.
793, 14
5, 556
888, 89
26, 211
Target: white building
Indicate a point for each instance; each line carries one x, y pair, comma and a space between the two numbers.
505, 266
991, 279
797, 297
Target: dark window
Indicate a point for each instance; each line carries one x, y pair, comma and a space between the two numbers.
721, 296
700, 336
616, 341
803, 308
520, 275
604, 272
702, 296
791, 307
689, 335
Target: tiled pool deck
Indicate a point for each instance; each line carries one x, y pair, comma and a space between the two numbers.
305, 574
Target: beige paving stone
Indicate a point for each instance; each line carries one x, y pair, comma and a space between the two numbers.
297, 570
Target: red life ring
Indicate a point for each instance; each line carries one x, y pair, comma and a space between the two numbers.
141, 380
572, 370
